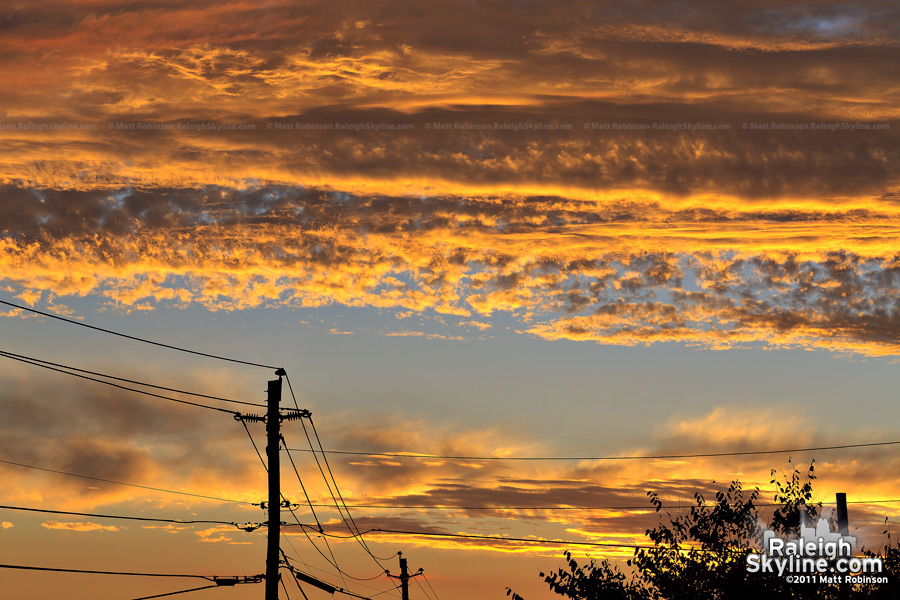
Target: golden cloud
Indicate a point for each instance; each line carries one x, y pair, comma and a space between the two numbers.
625, 273
79, 526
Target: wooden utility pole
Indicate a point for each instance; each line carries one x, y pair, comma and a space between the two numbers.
273, 419
404, 578
273, 435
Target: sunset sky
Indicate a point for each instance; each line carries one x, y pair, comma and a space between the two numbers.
483, 229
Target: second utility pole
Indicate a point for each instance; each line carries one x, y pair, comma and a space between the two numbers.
273, 435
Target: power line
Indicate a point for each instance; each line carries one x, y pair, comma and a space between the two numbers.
284, 587
510, 539
347, 521
541, 542
291, 544
365, 585
429, 586
333, 589
398, 506
291, 388
56, 570
335, 566
296, 583
205, 587
129, 518
535, 541
395, 591
416, 455
332, 535
116, 385
303, 487
360, 538
424, 591
135, 338
318, 529
135, 485
565, 508
150, 385
333, 560
252, 441
290, 508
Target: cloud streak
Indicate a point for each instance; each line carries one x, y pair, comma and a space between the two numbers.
79, 526
512, 499
495, 499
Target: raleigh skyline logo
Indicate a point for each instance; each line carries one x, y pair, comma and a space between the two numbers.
817, 556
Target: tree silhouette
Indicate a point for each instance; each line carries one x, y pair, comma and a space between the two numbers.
702, 555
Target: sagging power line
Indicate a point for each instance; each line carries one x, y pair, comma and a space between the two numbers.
417, 455
135, 338
508, 539
566, 508
220, 581
273, 420
134, 485
245, 527
113, 377
399, 506
115, 385
216, 580
273, 417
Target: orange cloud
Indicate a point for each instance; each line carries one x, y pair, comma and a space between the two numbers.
487, 497
79, 526
624, 273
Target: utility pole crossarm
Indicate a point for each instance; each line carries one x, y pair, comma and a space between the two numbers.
404, 577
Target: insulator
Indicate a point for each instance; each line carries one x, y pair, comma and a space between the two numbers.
295, 415
251, 418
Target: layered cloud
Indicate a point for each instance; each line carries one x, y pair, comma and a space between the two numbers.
171, 58
616, 272
598, 173
601, 500
592, 500
111, 436
454, 98
579, 149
